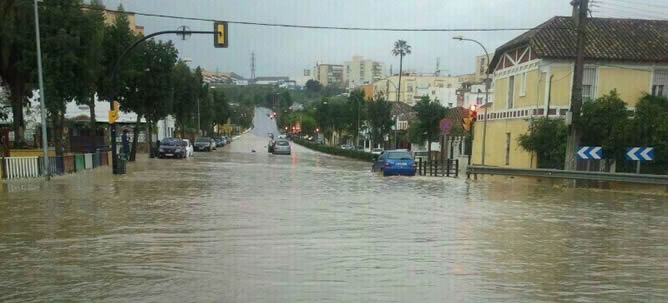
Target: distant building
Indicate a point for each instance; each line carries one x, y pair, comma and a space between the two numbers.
223, 78
271, 80
360, 72
414, 87
475, 95
329, 74
110, 17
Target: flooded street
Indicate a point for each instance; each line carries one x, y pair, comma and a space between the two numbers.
235, 225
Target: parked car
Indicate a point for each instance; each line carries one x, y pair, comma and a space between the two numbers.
220, 141
204, 144
189, 148
283, 136
172, 147
282, 147
376, 151
346, 146
395, 163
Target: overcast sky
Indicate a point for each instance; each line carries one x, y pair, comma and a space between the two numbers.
286, 51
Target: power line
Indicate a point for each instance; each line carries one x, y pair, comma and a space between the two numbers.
629, 10
385, 29
638, 3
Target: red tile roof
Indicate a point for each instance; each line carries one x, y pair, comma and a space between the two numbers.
607, 39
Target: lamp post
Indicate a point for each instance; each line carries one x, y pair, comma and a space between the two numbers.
42, 99
484, 127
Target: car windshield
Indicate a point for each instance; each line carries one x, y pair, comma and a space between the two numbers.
398, 156
203, 140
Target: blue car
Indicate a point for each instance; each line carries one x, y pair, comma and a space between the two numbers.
391, 163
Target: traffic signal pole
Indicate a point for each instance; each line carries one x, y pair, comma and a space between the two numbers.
114, 76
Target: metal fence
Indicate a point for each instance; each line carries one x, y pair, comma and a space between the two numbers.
31, 167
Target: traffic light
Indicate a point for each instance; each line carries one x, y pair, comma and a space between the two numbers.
220, 34
470, 118
113, 114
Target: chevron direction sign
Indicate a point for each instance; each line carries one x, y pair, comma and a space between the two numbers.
640, 154
590, 152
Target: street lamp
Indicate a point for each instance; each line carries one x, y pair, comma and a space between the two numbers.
484, 127
42, 98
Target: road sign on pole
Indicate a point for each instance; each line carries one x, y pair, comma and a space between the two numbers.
640, 154
590, 153
445, 125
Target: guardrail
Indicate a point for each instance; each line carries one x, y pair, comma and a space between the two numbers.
448, 168
568, 174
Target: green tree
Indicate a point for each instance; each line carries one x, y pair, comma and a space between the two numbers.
149, 93
221, 108
650, 129
357, 113
547, 138
313, 86
17, 58
603, 123
65, 41
185, 94
93, 53
401, 49
429, 114
379, 119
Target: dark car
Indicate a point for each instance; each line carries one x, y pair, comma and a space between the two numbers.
172, 147
220, 141
204, 144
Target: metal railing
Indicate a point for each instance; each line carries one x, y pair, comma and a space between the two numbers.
568, 174
435, 168
31, 167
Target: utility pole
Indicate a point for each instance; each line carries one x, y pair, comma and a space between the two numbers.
581, 7
252, 77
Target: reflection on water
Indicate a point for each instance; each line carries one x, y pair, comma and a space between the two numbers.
237, 226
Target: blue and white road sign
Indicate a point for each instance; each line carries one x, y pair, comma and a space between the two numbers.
590, 153
640, 154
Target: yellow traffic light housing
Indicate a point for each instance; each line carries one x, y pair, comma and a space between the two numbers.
220, 34
113, 114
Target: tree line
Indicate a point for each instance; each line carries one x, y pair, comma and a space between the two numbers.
79, 51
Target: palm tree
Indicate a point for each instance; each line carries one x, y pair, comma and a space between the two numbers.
401, 49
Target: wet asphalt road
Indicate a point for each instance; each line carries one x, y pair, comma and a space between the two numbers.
241, 226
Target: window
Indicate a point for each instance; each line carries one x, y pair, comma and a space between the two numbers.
511, 92
660, 83
479, 100
449, 85
507, 148
589, 83
410, 87
523, 85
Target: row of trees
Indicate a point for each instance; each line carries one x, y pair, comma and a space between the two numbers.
609, 123
79, 52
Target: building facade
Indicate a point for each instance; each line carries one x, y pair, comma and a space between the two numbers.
414, 87
329, 74
362, 71
533, 77
110, 18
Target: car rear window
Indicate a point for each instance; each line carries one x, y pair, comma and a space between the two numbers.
399, 156
203, 139
169, 142
282, 143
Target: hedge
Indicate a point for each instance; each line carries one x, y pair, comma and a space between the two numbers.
354, 154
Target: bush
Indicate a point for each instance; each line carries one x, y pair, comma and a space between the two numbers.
332, 150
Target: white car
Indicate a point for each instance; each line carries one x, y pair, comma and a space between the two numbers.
189, 148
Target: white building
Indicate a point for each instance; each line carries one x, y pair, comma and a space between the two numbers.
414, 87
476, 96
361, 72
